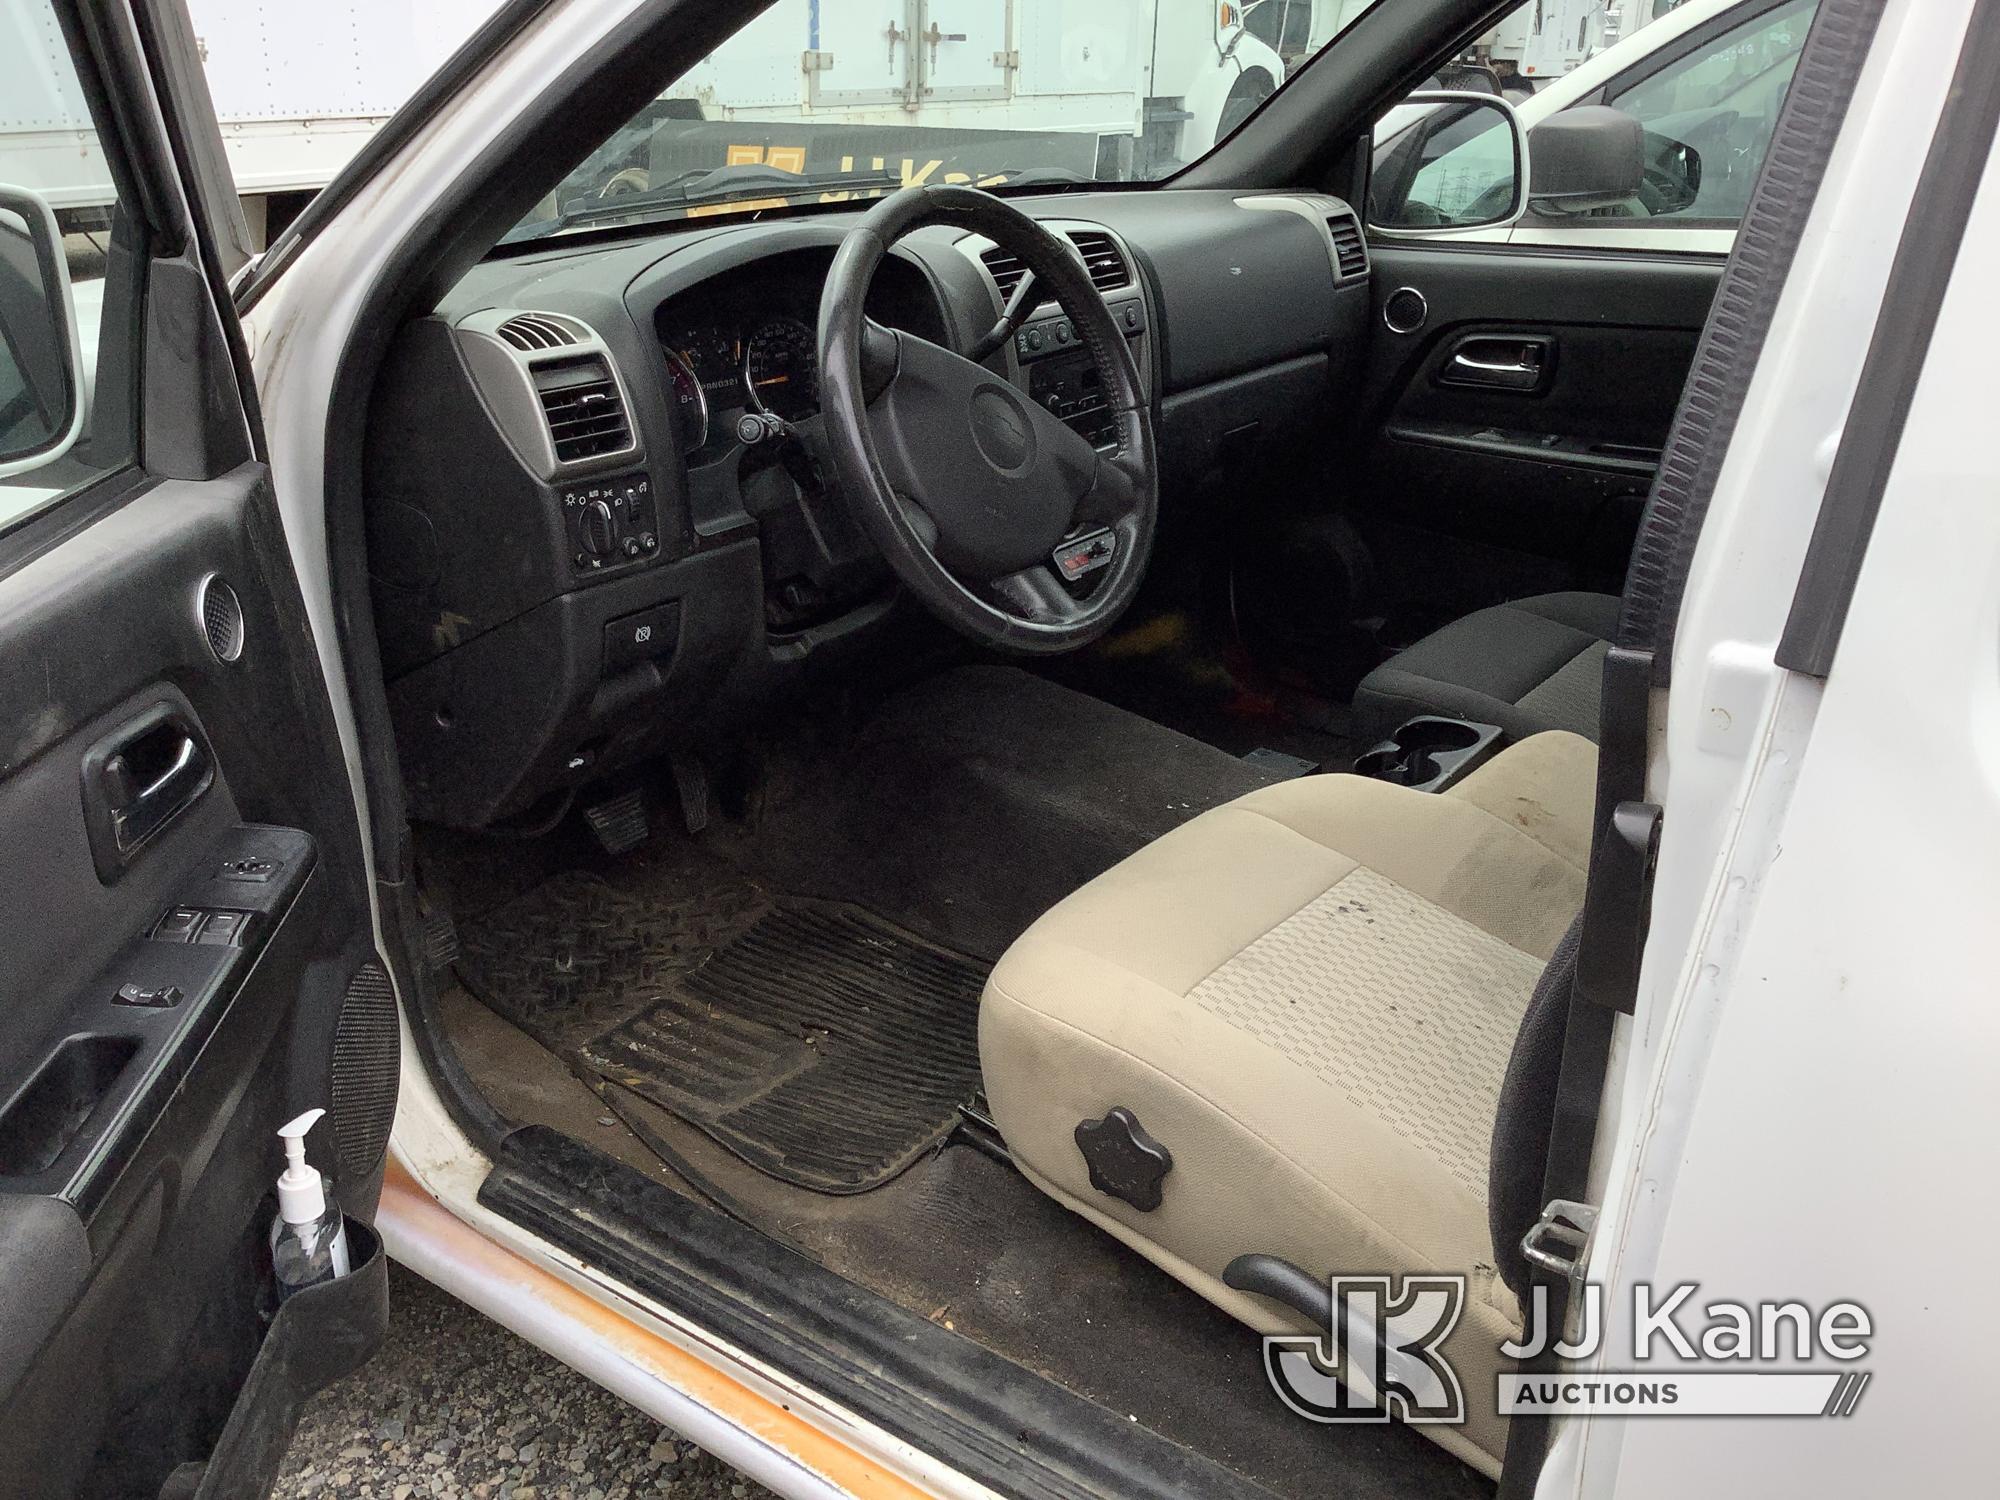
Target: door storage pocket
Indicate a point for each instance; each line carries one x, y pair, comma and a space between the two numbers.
318, 1336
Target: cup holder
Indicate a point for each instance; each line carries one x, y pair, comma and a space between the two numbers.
1429, 753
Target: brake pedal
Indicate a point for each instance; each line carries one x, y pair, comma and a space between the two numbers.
619, 823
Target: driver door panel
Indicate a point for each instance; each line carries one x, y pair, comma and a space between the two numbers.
188, 958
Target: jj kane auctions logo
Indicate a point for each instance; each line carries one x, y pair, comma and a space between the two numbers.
1383, 1356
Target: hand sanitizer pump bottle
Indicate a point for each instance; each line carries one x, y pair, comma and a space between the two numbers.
308, 1238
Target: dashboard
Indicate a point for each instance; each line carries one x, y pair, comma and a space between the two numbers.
597, 527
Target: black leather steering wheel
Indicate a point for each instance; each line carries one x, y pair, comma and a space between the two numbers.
967, 486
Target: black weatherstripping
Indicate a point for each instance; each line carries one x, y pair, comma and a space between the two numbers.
996, 1422
1918, 280
1745, 303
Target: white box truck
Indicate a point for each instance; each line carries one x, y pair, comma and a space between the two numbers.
299, 87
972, 65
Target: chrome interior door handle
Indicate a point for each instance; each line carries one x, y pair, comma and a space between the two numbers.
1500, 362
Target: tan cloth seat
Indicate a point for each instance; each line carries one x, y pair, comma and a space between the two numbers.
1309, 996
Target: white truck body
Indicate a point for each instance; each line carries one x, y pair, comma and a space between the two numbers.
298, 87
1549, 38
969, 64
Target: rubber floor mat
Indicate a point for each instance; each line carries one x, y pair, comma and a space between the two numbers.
823, 1045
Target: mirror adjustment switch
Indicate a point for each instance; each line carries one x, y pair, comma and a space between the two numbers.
179, 925
149, 996
223, 929
249, 868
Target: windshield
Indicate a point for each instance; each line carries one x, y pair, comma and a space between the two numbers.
830, 101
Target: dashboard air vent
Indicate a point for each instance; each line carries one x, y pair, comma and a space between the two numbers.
1006, 267
534, 331
1108, 272
585, 411
1348, 246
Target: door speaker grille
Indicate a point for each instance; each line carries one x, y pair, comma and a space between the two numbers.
367, 1052
221, 618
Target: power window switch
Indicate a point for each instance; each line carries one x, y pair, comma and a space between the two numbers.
149, 996
179, 925
224, 929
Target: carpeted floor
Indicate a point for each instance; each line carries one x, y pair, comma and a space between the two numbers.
969, 805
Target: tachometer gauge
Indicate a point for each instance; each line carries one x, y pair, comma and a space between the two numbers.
689, 399
781, 369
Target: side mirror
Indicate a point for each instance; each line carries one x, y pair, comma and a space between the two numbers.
1448, 161
1673, 175
1588, 157
41, 360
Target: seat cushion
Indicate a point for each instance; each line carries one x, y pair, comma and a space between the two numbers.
1530, 666
1308, 996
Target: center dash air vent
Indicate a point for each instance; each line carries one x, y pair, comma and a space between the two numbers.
1348, 246
1101, 257
1100, 253
585, 412
535, 331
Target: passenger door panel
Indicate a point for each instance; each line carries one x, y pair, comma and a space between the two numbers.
1511, 438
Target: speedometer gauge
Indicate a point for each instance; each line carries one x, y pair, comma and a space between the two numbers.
689, 400
781, 369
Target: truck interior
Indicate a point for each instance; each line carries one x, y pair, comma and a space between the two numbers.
993, 779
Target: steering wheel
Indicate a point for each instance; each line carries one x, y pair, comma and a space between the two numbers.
1006, 523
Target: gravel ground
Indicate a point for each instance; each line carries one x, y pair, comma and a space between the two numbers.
455, 1405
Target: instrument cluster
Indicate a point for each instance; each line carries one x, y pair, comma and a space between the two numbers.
744, 340
719, 371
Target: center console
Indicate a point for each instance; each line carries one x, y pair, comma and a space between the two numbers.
1063, 377
1430, 753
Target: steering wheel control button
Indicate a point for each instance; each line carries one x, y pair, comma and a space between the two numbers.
1085, 555
646, 636
149, 996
